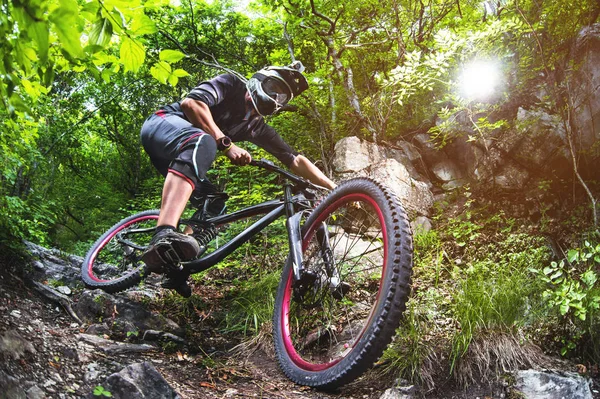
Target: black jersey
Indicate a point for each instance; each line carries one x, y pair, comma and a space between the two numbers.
225, 96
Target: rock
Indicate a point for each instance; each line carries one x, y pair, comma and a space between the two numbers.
113, 347
394, 393
35, 392
449, 174
354, 158
544, 385
430, 154
353, 155
138, 381
421, 224
16, 313
511, 177
63, 289
539, 141
10, 387
12, 345
98, 329
585, 89
93, 373
52, 265
124, 314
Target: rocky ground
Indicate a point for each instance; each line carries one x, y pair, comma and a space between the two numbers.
60, 341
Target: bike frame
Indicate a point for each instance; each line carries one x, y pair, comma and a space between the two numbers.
292, 206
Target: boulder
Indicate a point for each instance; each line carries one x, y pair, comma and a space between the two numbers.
53, 265
138, 381
545, 385
124, 315
354, 157
449, 174
585, 89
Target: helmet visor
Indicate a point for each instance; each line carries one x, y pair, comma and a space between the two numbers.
268, 95
277, 90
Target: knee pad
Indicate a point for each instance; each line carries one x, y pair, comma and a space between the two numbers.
195, 158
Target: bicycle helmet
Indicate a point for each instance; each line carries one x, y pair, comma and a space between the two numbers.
273, 87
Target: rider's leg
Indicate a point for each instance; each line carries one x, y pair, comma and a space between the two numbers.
176, 193
191, 155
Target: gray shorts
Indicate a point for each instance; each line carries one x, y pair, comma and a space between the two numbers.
175, 145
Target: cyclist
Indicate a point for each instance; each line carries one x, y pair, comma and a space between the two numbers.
182, 140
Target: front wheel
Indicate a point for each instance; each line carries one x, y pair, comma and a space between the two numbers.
334, 323
114, 263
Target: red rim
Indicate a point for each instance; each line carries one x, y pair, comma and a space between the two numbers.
106, 240
285, 311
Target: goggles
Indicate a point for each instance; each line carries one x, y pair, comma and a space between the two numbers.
268, 93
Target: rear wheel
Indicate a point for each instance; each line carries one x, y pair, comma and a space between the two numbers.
114, 262
335, 322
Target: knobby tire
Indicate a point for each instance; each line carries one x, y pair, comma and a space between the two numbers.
308, 355
111, 273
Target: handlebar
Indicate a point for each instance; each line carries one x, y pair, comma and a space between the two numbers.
297, 180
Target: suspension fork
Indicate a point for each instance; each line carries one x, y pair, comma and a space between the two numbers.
326, 250
294, 233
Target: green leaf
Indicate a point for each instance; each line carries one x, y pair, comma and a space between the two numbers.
119, 21
38, 31
161, 71
101, 33
17, 102
171, 56
563, 351
90, 7
564, 308
66, 22
173, 80
589, 278
556, 275
132, 54
572, 255
180, 73
143, 25
106, 74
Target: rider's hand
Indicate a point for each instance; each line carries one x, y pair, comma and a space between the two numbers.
238, 156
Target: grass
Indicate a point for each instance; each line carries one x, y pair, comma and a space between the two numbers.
251, 304
412, 355
474, 303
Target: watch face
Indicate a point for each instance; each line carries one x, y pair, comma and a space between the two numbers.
223, 143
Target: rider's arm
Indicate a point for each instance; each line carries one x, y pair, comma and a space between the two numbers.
302, 166
198, 113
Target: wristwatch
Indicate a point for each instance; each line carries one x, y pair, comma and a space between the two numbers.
224, 143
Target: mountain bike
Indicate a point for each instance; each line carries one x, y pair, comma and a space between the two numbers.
343, 288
